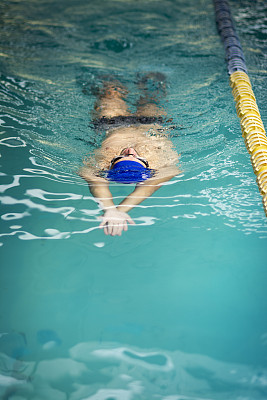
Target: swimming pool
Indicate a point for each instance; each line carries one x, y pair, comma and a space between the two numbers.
176, 307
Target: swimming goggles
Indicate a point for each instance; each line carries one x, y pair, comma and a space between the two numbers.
143, 160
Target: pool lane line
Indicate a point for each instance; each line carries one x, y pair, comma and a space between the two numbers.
247, 110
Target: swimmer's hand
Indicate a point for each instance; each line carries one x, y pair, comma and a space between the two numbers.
114, 222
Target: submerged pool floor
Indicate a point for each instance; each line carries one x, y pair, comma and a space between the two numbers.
175, 308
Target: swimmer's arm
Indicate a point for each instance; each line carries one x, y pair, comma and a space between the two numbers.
144, 190
99, 188
103, 194
113, 221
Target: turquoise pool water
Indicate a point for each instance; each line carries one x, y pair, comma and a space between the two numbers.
175, 309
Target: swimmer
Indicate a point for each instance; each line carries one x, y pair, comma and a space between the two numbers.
136, 150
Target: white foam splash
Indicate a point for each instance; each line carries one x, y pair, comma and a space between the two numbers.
99, 244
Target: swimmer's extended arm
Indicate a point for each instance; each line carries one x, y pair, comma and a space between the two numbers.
114, 221
98, 187
101, 192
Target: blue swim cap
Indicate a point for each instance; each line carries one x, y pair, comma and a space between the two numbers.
127, 171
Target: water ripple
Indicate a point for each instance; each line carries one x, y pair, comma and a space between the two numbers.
13, 142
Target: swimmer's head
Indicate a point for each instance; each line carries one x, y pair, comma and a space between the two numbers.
129, 154
128, 167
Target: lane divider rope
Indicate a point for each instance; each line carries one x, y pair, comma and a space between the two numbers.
247, 110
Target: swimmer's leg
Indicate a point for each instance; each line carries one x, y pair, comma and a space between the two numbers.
153, 88
111, 101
